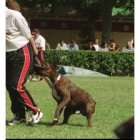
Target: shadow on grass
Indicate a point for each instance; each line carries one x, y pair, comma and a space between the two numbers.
78, 125
48, 124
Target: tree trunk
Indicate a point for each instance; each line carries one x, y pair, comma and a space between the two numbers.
106, 20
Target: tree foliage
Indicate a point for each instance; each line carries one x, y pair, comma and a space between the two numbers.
92, 8
89, 9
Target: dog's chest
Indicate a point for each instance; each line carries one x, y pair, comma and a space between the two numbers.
55, 95
54, 92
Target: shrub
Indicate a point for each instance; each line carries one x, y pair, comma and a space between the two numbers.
110, 63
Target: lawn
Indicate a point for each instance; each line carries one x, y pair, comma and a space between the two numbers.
115, 103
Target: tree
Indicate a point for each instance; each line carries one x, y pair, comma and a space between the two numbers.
91, 10
107, 6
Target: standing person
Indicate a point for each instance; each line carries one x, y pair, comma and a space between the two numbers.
40, 43
19, 58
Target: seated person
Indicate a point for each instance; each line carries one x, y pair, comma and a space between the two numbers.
73, 45
62, 45
112, 46
104, 47
96, 45
128, 47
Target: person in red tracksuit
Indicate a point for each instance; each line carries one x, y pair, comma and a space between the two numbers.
19, 58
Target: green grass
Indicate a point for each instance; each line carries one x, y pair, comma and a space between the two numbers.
115, 103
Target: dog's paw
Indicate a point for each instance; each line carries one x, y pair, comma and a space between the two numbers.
89, 125
55, 122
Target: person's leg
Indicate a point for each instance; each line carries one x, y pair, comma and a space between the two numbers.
11, 83
41, 55
16, 76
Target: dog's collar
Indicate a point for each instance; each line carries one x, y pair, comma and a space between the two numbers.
58, 78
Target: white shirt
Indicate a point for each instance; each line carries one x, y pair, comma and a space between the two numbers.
17, 30
127, 50
40, 42
104, 49
96, 46
62, 47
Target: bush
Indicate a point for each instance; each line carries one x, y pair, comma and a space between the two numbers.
110, 63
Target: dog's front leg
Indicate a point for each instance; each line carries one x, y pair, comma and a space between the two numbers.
59, 108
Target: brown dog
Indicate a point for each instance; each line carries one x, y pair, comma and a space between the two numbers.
67, 94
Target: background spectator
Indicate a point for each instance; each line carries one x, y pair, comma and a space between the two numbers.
73, 45
112, 46
90, 46
96, 45
41, 46
103, 47
62, 45
40, 43
128, 47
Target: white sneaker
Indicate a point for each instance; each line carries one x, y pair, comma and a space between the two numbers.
15, 121
33, 119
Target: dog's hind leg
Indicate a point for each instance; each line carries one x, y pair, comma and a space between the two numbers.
89, 120
67, 113
89, 111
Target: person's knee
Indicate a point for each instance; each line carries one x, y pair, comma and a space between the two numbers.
11, 85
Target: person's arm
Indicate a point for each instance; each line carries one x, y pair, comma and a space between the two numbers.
31, 40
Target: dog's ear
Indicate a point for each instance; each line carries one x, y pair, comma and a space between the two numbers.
52, 64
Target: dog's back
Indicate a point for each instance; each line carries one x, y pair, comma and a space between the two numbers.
76, 93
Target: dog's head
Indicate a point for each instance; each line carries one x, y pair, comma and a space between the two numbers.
45, 68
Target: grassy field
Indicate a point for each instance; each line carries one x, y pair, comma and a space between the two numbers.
115, 103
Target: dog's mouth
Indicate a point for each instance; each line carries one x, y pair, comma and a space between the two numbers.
40, 71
